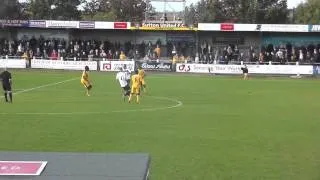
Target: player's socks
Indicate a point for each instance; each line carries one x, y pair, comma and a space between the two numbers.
129, 100
138, 99
5, 96
10, 96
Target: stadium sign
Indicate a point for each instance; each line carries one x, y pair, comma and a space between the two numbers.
114, 66
162, 26
66, 65
154, 66
314, 28
253, 69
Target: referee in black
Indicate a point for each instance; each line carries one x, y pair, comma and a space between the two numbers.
6, 79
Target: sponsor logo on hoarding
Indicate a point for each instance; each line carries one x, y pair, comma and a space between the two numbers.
62, 24
316, 70
86, 25
106, 66
14, 23
314, 28
153, 66
116, 65
21, 168
120, 25
254, 69
284, 28
258, 27
37, 23
67, 65
184, 68
226, 27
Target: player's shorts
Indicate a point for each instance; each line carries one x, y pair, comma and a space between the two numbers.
135, 90
126, 88
6, 87
85, 83
143, 82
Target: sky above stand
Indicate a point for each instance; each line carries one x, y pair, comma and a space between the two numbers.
178, 6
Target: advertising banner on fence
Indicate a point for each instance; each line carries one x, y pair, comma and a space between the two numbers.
284, 28
86, 25
12, 63
154, 66
62, 24
14, 23
120, 25
113, 66
253, 69
37, 23
112, 25
66, 65
316, 70
228, 27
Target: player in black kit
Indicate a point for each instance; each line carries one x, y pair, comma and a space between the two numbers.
245, 72
6, 79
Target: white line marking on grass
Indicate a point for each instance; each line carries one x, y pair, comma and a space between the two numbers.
176, 105
43, 86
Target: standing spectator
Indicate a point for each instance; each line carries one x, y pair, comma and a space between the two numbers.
122, 56
109, 55
54, 55
301, 58
157, 51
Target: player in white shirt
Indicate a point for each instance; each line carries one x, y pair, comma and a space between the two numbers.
127, 71
123, 79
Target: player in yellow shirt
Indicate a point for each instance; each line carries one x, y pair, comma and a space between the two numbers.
142, 74
135, 86
85, 80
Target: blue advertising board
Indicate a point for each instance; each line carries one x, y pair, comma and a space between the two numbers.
316, 70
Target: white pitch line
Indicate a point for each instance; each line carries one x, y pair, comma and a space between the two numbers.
178, 104
43, 86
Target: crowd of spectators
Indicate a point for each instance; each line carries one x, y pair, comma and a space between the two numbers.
209, 54
88, 50
84, 50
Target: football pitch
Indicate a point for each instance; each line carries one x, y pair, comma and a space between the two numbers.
194, 127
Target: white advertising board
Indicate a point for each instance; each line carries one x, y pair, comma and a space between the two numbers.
284, 28
66, 65
253, 69
116, 65
13, 63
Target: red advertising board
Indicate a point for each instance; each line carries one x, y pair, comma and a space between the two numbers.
21, 168
120, 25
226, 27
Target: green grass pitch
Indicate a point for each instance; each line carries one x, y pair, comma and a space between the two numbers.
225, 128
